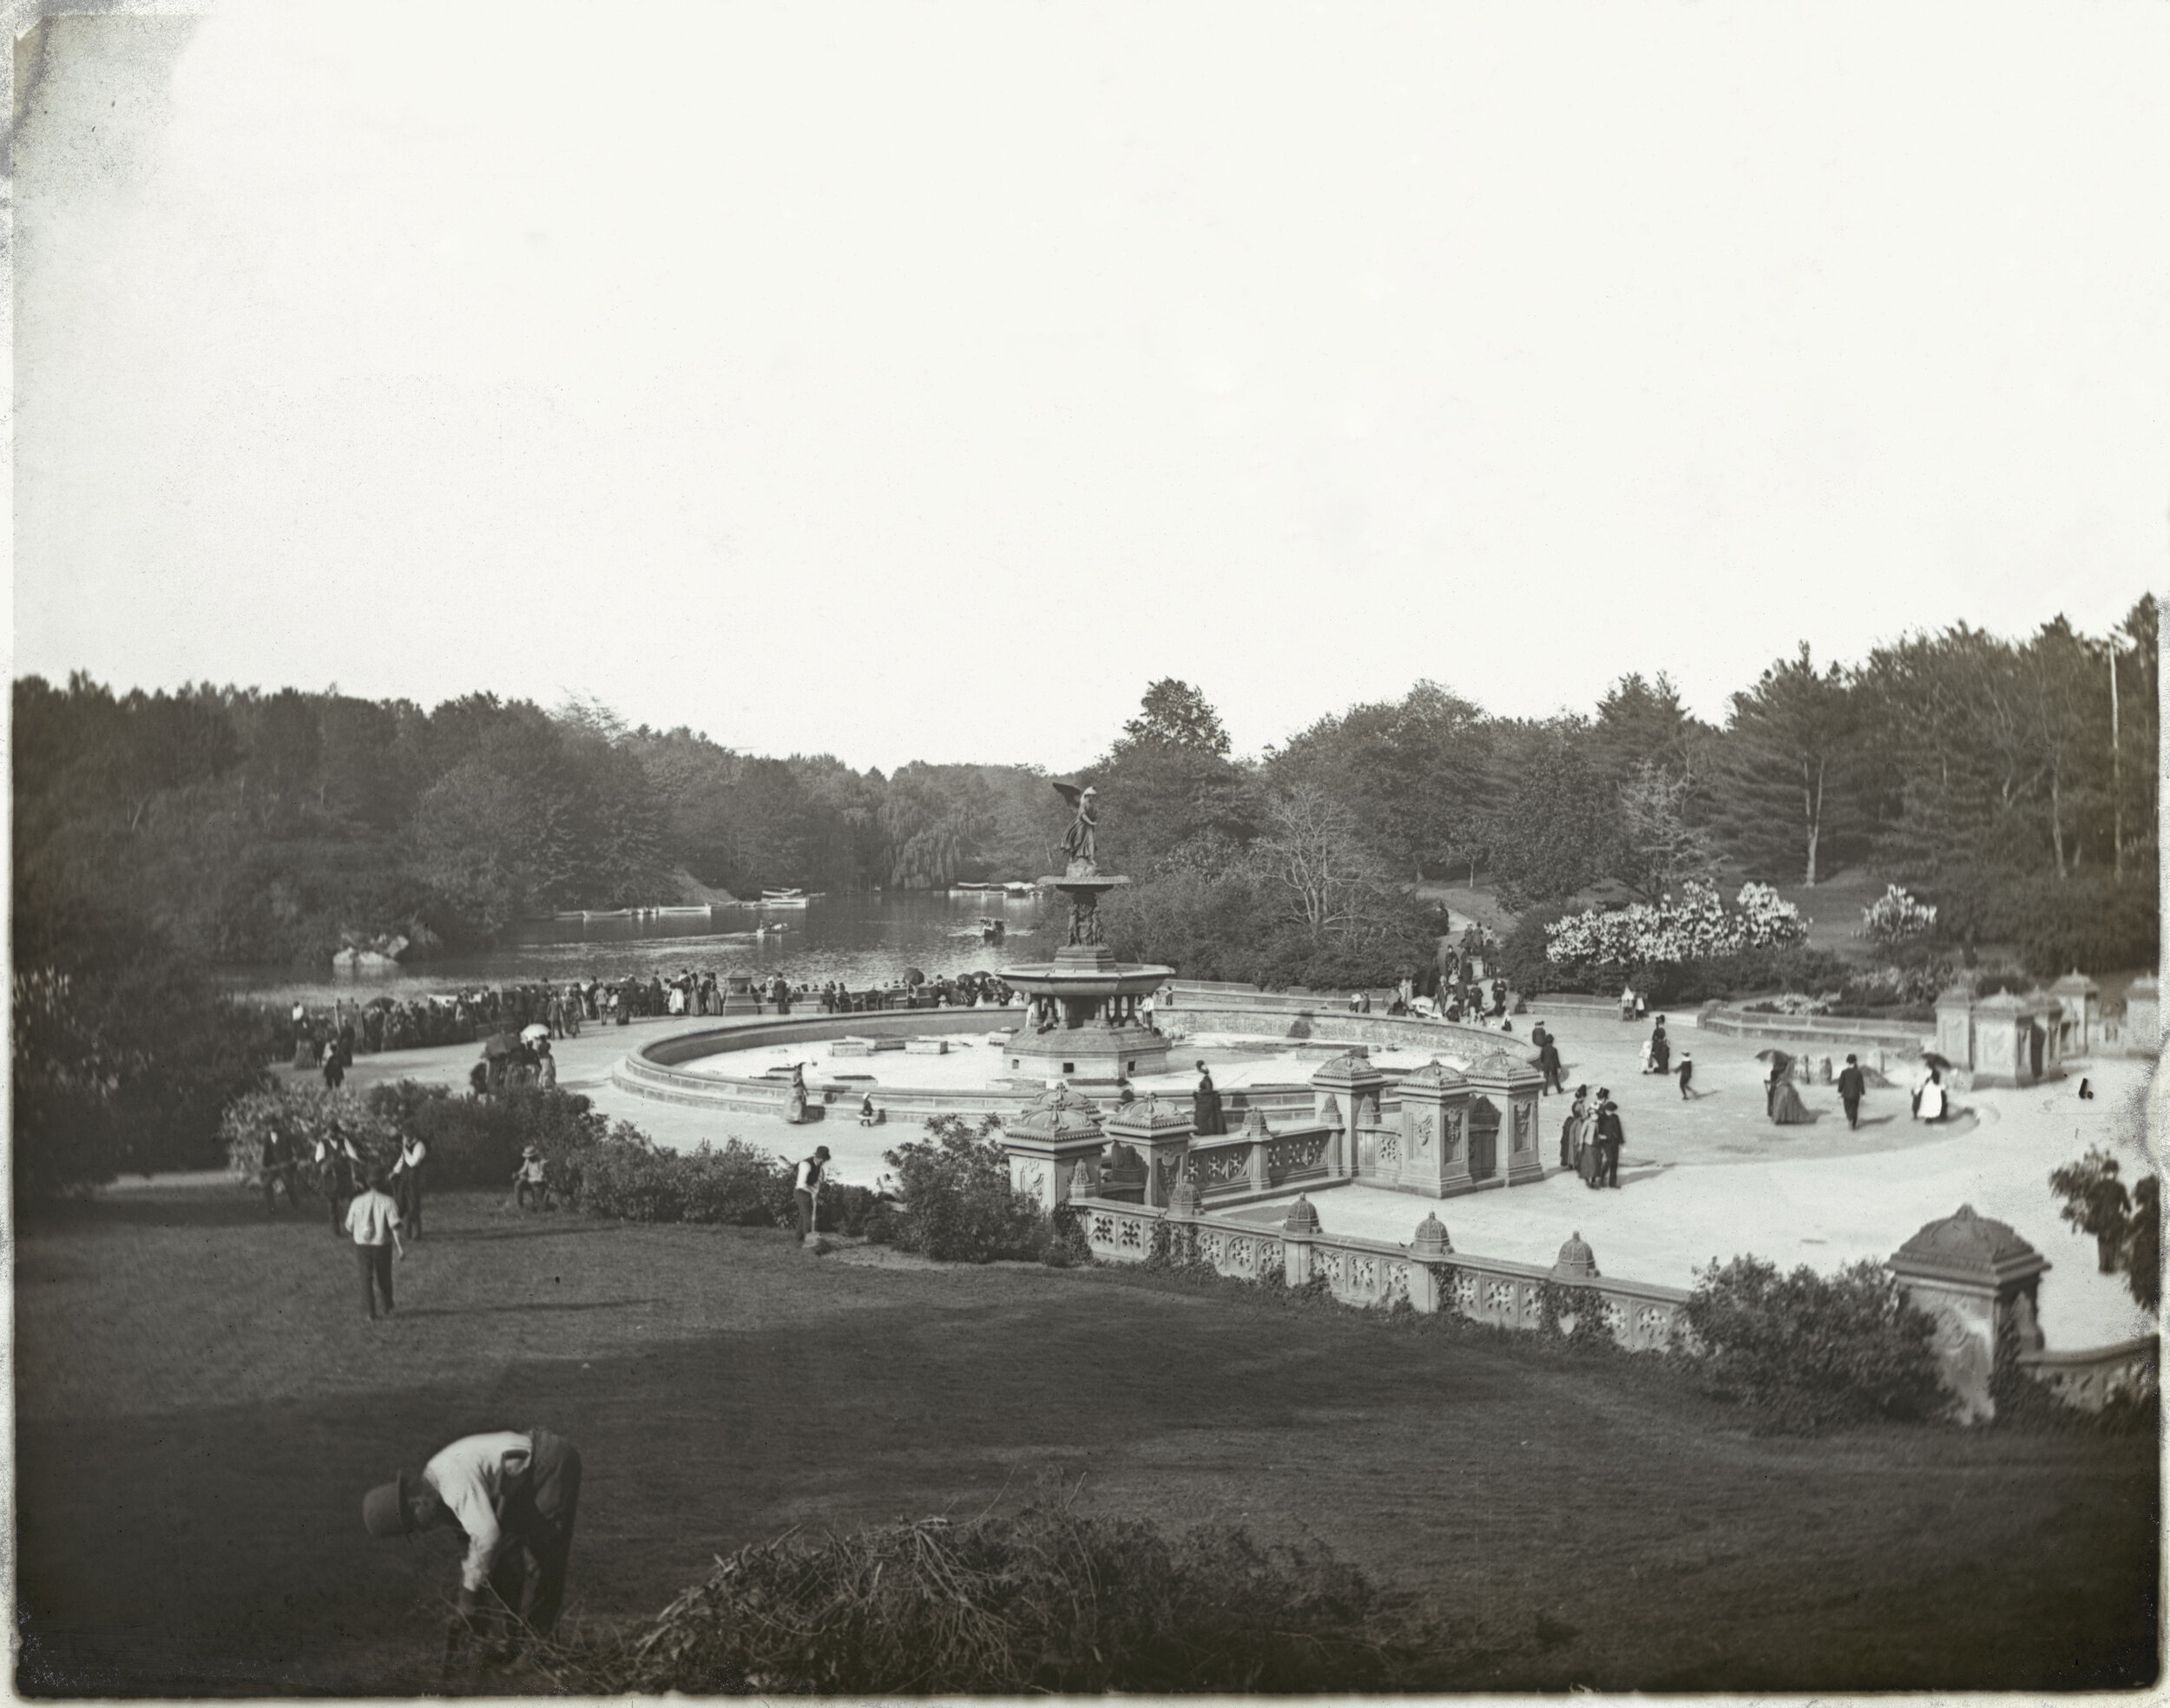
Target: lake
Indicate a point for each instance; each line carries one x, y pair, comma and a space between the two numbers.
863, 940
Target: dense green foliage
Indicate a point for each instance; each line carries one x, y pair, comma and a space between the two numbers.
1050, 1599
122, 1053
1810, 1352
955, 1201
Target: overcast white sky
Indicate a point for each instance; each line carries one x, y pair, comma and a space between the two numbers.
921, 380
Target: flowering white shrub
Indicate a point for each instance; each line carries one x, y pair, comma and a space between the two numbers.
1792, 1003
1895, 916
1697, 927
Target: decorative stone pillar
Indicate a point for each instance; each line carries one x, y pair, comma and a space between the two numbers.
738, 995
1431, 1246
1972, 1275
2046, 1019
2143, 1016
2080, 1022
1514, 1085
1159, 1130
2015, 1040
1954, 1025
1351, 1084
1055, 1140
1298, 1230
1259, 1136
1435, 1158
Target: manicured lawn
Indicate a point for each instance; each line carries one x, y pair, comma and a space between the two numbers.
201, 1406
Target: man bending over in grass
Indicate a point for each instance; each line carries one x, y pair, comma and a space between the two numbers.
516, 1497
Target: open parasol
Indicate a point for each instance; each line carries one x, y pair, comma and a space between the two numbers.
1930, 1059
533, 1031
1778, 1059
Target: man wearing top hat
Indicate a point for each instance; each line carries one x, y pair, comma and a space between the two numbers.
515, 1496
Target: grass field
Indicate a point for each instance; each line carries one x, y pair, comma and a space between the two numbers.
200, 1405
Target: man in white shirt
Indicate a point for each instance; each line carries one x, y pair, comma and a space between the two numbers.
516, 1497
373, 1221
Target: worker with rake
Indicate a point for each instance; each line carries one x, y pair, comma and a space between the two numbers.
515, 1496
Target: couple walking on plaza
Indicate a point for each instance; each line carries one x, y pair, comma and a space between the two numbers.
1591, 1137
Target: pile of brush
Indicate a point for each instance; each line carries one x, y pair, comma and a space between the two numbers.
1048, 1600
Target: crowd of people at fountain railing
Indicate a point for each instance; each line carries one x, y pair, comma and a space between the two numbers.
344, 1030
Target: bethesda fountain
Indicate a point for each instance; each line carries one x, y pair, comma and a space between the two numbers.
1083, 1024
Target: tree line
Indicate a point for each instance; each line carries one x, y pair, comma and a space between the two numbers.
252, 826
2008, 781
2012, 784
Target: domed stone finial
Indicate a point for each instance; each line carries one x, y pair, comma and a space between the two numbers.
1254, 1125
1577, 1264
1431, 1242
1968, 1247
1302, 1221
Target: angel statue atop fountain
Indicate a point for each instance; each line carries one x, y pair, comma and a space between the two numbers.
1077, 840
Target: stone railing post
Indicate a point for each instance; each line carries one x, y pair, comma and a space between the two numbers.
1514, 1086
1159, 1129
1299, 1231
1057, 1137
1431, 1246
2142, 1032
1972, 1275
1261, 1159
1954, 1027
1347, 1089
1434, 1130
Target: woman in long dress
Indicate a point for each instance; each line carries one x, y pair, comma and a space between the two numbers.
1206, 1117
1929, 1102
1780, 1100
1571, 1130
1660, 1048
1588, 1158
795, 1100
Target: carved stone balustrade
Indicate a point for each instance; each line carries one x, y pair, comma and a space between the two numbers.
1428, 1271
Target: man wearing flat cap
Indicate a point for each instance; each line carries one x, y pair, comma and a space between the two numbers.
515, 1495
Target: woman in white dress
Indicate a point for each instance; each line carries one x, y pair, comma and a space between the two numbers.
1928, 1099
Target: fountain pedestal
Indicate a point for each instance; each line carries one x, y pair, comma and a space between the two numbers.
1082, 1024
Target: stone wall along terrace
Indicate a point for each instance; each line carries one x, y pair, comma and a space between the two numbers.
1366, 1272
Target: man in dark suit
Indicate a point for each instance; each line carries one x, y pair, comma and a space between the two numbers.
1548, 1062
1610, 1137
1853, 1085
